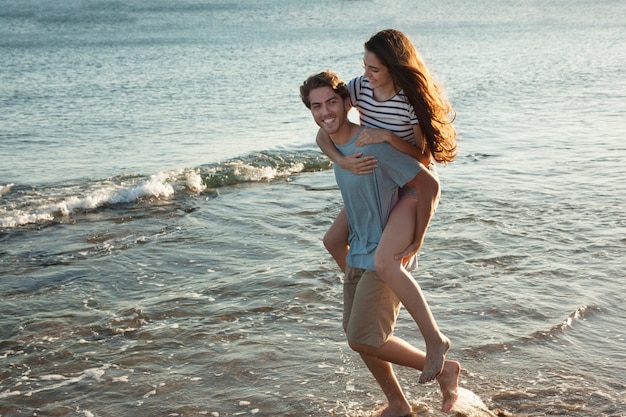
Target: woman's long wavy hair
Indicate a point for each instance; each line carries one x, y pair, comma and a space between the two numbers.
408, 71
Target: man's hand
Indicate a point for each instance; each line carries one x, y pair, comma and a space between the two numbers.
359, 164
408, 253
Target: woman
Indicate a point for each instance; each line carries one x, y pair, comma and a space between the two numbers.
398, 97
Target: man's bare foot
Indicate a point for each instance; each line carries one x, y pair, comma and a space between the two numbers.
435, 359
449, 384
398, 410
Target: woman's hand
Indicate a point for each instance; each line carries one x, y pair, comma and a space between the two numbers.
359, 164
370, 135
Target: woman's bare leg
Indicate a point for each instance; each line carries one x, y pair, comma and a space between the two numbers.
336, 239
398, 234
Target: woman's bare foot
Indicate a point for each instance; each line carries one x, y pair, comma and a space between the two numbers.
449, 384
435, 359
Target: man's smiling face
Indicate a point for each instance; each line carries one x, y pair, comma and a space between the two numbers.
329, 109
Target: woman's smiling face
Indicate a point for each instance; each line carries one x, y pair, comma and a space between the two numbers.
376, 72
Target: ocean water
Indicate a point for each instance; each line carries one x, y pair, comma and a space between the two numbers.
162, 204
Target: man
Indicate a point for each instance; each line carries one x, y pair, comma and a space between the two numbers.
370, 306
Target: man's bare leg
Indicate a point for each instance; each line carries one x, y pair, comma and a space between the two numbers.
398, 405
449, 384
399, 352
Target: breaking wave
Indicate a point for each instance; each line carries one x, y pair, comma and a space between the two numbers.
23, 205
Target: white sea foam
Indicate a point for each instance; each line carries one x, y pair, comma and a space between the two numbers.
35, 206
7, 394
90, 373
245, 172
5, 189
194, 181
160, 185
52, 377
470, 405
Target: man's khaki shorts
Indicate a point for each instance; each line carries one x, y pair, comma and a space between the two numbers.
370, 308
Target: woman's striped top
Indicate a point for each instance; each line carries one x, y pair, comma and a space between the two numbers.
395, 114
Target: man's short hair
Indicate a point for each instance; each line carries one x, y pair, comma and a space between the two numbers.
322, 79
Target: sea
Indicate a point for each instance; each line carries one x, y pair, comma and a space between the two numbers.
163, 202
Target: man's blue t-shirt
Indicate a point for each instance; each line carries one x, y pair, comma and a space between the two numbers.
368, 199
